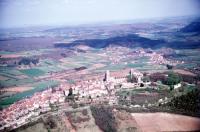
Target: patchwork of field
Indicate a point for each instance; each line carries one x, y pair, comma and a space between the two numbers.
95, 60
82, 59
13, 77
190, 56
99, 62
91, 58
36, 87
17, 83
7, 54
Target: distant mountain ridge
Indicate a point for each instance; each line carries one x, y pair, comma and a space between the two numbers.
130, 40
192, 27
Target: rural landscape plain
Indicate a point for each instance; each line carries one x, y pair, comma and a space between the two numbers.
101, 75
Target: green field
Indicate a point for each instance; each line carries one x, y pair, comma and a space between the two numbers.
5, 53
15, 82
86, 59
37, 87
191, 56
33, 72
13, 77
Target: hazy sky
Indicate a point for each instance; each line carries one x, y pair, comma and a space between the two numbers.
17, 13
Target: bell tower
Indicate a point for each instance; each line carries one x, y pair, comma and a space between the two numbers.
107, 76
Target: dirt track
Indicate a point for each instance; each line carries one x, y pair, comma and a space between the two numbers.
154, 122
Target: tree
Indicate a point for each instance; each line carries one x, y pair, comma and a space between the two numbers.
28, 61
70, 96
132, 80
197, 78
189, 102
63, 55
169, 66
141, 85
173, 79
70, 92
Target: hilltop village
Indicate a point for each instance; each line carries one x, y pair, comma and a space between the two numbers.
93, 91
